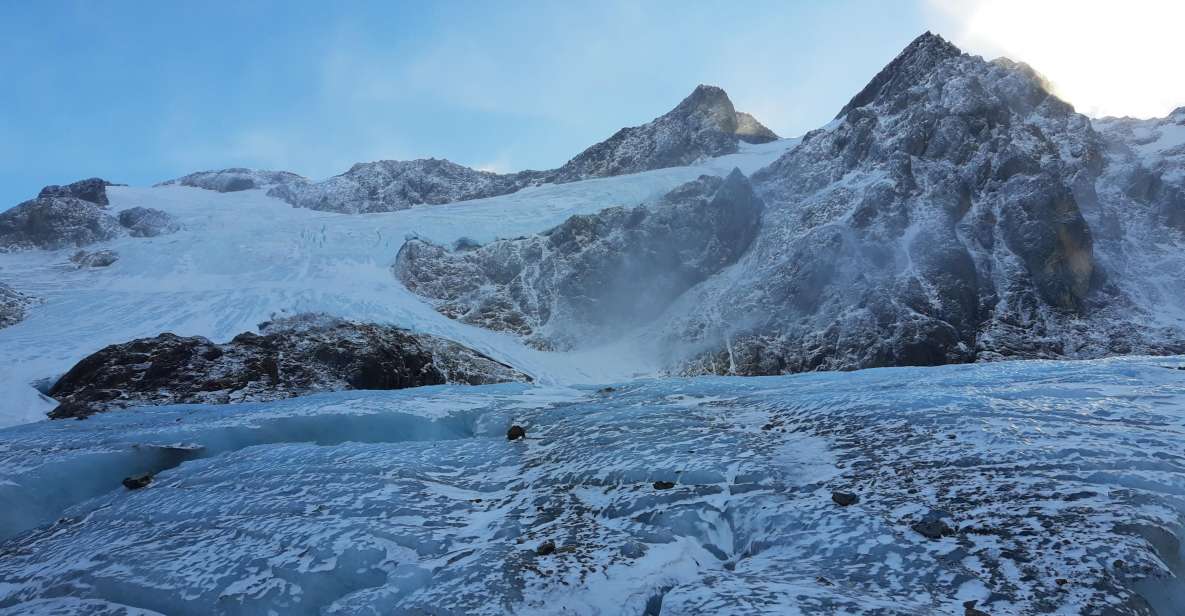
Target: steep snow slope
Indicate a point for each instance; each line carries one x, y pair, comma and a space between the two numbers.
242, 257
1018, 488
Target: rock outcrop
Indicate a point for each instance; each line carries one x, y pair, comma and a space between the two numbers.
53, 222
594, 276
91, 189
148, 222
13, 305
235, 179
287, 358
389, 185
99, 258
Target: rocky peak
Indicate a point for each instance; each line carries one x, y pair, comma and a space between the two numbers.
708, 107
703, 125
917, 59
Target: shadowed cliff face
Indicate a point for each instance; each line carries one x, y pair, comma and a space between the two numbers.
593, 277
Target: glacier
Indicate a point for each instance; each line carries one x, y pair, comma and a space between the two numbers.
242, 258
1060, 487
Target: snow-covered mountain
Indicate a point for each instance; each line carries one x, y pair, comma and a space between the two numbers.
703, 125
229, 356
954, 211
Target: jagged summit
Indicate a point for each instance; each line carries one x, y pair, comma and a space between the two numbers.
705, 124
712, 104
919, 57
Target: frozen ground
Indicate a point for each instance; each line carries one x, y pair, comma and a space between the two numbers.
243, 257
1062, 484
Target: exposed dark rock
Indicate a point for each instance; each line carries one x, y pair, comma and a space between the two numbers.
289, 357
93, 190
843, 499
545, 548
137, 482
593, 276
54, 222
933, 525
515, 433
969, 609
13, 305
148, 222
236, 179
98, 258
663, 485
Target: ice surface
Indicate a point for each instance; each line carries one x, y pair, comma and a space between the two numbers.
414, 502
242, 257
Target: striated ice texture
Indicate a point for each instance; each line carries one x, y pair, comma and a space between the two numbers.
1062, 487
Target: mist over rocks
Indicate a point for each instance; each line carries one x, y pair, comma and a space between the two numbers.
13, 305
235, 179
287, 358
593, 276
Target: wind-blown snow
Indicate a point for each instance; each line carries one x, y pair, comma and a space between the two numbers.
1062, 484
242, 257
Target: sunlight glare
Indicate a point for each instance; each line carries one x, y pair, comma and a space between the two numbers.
1105, 58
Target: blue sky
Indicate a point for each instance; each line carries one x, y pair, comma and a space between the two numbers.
140, 92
